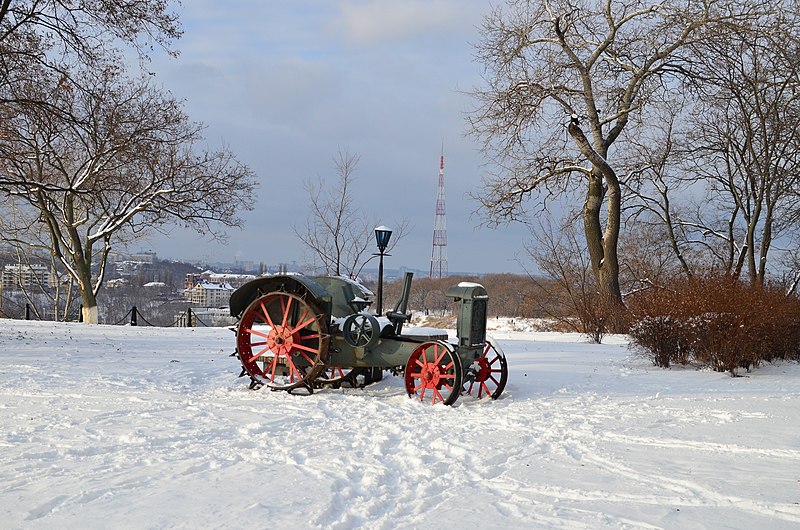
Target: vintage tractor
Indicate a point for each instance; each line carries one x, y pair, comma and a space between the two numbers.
298, 333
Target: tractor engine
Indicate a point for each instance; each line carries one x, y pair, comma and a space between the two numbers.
471, 300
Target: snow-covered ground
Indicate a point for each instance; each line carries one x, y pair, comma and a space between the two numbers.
121, 427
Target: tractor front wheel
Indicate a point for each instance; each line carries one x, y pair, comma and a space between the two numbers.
434, 372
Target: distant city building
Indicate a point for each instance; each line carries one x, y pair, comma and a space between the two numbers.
25, 276
209, 294
209, 276
245, 266
143, 257
235, 280
192, 279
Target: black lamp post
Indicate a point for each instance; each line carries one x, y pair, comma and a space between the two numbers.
382, 236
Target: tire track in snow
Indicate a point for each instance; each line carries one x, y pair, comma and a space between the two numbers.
576, 432
397, 475
428, 474
713, 447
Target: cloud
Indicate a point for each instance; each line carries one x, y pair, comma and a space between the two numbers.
285, 84
380, 21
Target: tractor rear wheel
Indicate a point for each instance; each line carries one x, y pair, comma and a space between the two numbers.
434, 372
488, 374
283, 340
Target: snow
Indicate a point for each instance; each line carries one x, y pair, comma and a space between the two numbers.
136, 427
358, 287
215, 286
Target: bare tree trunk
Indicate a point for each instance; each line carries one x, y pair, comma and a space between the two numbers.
602, 243
89, 311
766, 243
88, 296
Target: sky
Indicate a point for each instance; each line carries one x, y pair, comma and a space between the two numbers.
286, 85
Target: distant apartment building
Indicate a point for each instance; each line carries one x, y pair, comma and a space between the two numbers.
143, 257
19, 276
234, 280
209, 294
191, 279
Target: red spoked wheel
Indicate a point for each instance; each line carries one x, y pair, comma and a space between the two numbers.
282, 341
434, 372
488, 374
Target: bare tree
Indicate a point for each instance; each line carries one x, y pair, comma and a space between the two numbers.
734, 146
122, 159
745, 140
64, 158
559, 69
337, 232
654, 214
58, 35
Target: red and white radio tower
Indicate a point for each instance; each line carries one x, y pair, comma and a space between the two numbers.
439, 253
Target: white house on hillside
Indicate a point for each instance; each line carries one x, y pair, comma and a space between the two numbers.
208, 294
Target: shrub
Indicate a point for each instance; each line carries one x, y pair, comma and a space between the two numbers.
718, 322
656, 334
593, 315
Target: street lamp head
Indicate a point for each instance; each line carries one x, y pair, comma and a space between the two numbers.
382, 236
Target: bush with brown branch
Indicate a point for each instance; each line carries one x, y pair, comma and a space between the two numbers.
715, 321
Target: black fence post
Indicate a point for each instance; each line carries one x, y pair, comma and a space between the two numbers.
27, 311
133, 317
189, 318
80, 313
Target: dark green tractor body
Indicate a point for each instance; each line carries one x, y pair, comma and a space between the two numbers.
301, 332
